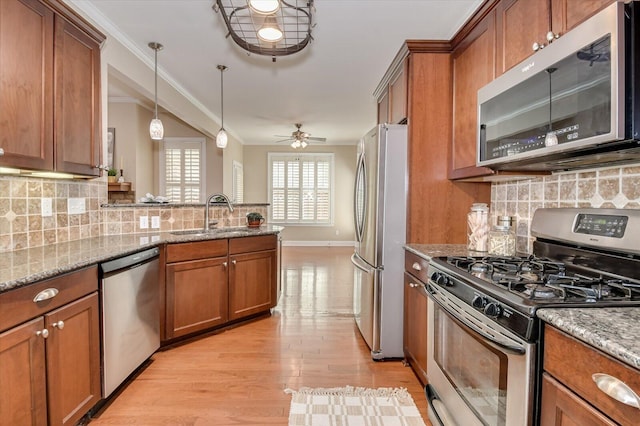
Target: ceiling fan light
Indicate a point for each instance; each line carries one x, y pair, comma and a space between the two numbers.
156, 129
264, 7
270, 31
221, 139
303, 144
295, 144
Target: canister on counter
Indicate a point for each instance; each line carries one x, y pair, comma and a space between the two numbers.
478, 227
502, 238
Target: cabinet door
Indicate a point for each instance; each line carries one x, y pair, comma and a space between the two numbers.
22, 376
383, 109
519, 23
73, 360
26, 84
567, 14
473, 67
77, 94
561, 407
398, 96
415, 326
252, 283
196, 296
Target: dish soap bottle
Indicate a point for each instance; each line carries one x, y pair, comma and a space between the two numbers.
478, 227
502, 238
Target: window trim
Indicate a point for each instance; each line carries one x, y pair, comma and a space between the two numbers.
203, 164
275, 156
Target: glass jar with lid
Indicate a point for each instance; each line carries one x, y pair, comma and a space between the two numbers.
478, 227
502, 238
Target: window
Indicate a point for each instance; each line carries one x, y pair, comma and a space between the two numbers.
182, 169
237, 184
301, 188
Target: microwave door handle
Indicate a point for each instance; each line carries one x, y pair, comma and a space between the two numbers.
501, 343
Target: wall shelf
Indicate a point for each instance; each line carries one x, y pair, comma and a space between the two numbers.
119, 186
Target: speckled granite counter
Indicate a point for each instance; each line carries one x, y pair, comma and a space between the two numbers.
614, 331
427, 251
22, 267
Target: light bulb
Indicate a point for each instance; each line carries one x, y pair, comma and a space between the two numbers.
295, 144
264, 7
270, 31
303, 144
550, 139
221, 139
156, 129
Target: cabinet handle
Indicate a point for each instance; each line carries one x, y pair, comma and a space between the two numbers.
233, 262
416, 266
537, 46
224, 264
414, 285
552, 36
1, 152
44, 333
59, 324
616, 389
46, 294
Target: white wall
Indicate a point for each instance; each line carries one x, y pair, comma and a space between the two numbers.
256, 191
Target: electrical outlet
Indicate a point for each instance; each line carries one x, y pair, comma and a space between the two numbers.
144, 222
46, 207
155, 222
76, 206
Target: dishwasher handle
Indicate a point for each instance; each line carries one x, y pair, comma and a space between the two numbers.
126, 262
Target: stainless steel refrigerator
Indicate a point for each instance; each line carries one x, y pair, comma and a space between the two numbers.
380, 198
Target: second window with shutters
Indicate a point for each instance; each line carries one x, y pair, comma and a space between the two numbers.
182, 170
301, 188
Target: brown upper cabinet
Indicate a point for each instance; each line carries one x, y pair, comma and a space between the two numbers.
50, 85
521, 23
392, 102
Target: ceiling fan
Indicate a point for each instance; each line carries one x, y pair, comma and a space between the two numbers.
299, 138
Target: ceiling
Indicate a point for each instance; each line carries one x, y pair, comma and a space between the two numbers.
328, 86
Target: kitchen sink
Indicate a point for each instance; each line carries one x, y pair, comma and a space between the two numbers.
228, 232
195, 232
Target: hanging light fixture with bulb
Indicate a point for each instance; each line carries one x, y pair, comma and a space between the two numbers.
221, 137
550, 139
156, 129
268, 27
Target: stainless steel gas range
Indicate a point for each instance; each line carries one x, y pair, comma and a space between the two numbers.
484, 360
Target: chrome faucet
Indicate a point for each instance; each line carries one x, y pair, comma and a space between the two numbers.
206, 207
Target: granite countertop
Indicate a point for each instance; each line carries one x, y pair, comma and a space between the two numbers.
614, 331
427, 251
23, 267
165, 205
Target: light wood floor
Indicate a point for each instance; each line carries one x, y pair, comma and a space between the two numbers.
238, 377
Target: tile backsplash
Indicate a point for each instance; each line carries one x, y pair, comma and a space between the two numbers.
615, 187
24, 224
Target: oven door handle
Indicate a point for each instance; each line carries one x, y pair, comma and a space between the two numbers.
502, 343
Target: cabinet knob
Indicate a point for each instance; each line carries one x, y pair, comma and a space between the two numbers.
59, 324
552, 36
233, 262
1, 152
44, 333
537, 46
416, 266
46, 294
224, 264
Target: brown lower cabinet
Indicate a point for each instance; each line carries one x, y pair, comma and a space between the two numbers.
210, 283
50, 363
570, 395
415, 314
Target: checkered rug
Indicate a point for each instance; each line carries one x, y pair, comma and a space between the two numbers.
351, 406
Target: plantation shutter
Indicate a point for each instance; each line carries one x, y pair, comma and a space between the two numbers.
182, 177
301, 188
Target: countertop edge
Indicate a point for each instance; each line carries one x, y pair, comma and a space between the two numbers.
602, 328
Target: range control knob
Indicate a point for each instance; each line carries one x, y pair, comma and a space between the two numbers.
435, 276
493, 310
479, 302
444, 281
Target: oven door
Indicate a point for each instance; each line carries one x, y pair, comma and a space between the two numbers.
479, 373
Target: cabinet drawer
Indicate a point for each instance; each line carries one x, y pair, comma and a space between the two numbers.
196, 250
249, 244
416, 266
18, 305
573, 363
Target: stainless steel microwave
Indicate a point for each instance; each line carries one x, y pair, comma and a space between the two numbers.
574, 104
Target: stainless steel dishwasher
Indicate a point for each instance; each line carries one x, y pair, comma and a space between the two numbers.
130, 315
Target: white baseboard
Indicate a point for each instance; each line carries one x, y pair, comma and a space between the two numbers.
286, 243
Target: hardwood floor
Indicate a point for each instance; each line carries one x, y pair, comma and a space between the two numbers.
238, 377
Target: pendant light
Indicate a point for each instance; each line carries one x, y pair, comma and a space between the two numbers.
264, 7
550, 138
156, 130
221, 137
270, 31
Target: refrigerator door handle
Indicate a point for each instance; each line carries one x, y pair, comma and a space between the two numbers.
360, 185
360, 263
